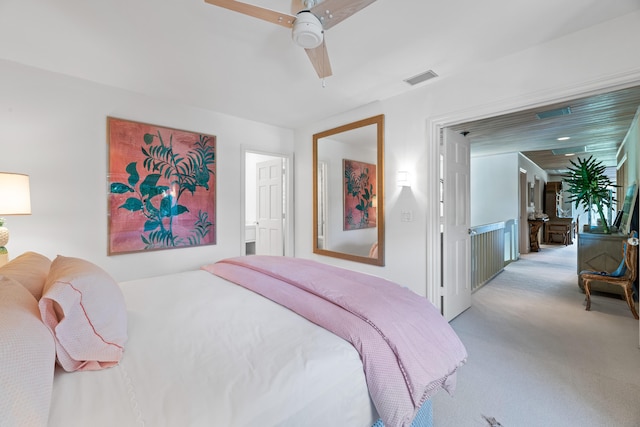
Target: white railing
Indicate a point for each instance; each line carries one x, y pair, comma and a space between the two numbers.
492, 246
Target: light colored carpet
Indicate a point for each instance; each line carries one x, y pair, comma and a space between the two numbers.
537, 358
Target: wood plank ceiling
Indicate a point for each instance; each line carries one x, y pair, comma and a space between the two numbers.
596, 125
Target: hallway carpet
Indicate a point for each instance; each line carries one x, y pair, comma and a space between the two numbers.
537, 358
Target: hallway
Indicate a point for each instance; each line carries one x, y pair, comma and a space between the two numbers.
537, 358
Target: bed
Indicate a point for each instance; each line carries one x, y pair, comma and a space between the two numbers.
194, 349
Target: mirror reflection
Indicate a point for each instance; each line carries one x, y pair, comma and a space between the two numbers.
348, 191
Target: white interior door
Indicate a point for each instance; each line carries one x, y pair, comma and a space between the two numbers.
456, 278
269, 204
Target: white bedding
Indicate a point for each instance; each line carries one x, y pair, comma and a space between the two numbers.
205, 352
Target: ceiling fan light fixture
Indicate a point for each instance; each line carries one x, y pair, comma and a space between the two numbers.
307, 30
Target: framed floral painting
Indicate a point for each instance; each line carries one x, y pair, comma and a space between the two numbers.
162, 187
359, 195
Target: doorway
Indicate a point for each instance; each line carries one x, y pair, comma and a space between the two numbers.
267, 228
436, 264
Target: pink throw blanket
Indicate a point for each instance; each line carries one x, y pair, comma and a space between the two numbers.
408, 349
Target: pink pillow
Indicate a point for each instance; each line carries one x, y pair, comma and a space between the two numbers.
27, 358
84, 309
30, 269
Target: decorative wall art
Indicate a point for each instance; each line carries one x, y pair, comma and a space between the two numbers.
627, 208
359, 195
162, 187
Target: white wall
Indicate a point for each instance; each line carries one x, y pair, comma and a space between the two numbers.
537, 76
535, 175
494, 188
53, 128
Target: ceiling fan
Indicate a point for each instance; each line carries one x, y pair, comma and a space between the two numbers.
309, 19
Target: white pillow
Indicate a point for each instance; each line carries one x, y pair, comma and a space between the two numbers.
27, 358
84, 309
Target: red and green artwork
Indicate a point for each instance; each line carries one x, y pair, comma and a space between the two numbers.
359, 195
162, 187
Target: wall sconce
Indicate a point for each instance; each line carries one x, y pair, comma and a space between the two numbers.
15, 199
403, 179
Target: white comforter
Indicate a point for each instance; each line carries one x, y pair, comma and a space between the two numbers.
205, 352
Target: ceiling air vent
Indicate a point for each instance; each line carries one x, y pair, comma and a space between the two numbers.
422, 77
554, 113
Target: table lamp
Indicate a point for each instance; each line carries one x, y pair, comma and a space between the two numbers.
14, 200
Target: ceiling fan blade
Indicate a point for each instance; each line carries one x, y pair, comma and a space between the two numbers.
296, 6
332, 12
269, 15
320, 60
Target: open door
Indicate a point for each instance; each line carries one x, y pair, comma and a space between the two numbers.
269, 203
456, 242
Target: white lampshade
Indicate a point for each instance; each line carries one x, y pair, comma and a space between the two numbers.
14, 194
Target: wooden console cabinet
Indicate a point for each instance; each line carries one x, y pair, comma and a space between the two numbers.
559, 230
534, 230
600, 252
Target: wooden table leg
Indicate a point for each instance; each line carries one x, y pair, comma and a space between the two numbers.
628, 292
587, 291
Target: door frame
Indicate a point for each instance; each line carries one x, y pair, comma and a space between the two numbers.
524, 245
435, 124
288, 227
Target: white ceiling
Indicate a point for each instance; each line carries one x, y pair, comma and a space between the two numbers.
190, 52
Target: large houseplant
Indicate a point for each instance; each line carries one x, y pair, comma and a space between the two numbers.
589, 186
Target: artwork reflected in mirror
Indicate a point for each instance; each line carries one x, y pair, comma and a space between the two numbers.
359, 194
348, 191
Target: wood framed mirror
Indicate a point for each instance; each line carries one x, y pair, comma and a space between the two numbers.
348, 191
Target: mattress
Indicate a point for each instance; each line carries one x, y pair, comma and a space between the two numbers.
205, 352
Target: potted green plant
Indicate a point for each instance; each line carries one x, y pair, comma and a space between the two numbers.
589, 186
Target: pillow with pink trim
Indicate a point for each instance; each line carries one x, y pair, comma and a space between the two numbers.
29, 269
83, 306
27, 358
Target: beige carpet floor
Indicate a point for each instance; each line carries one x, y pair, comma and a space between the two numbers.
537, 358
